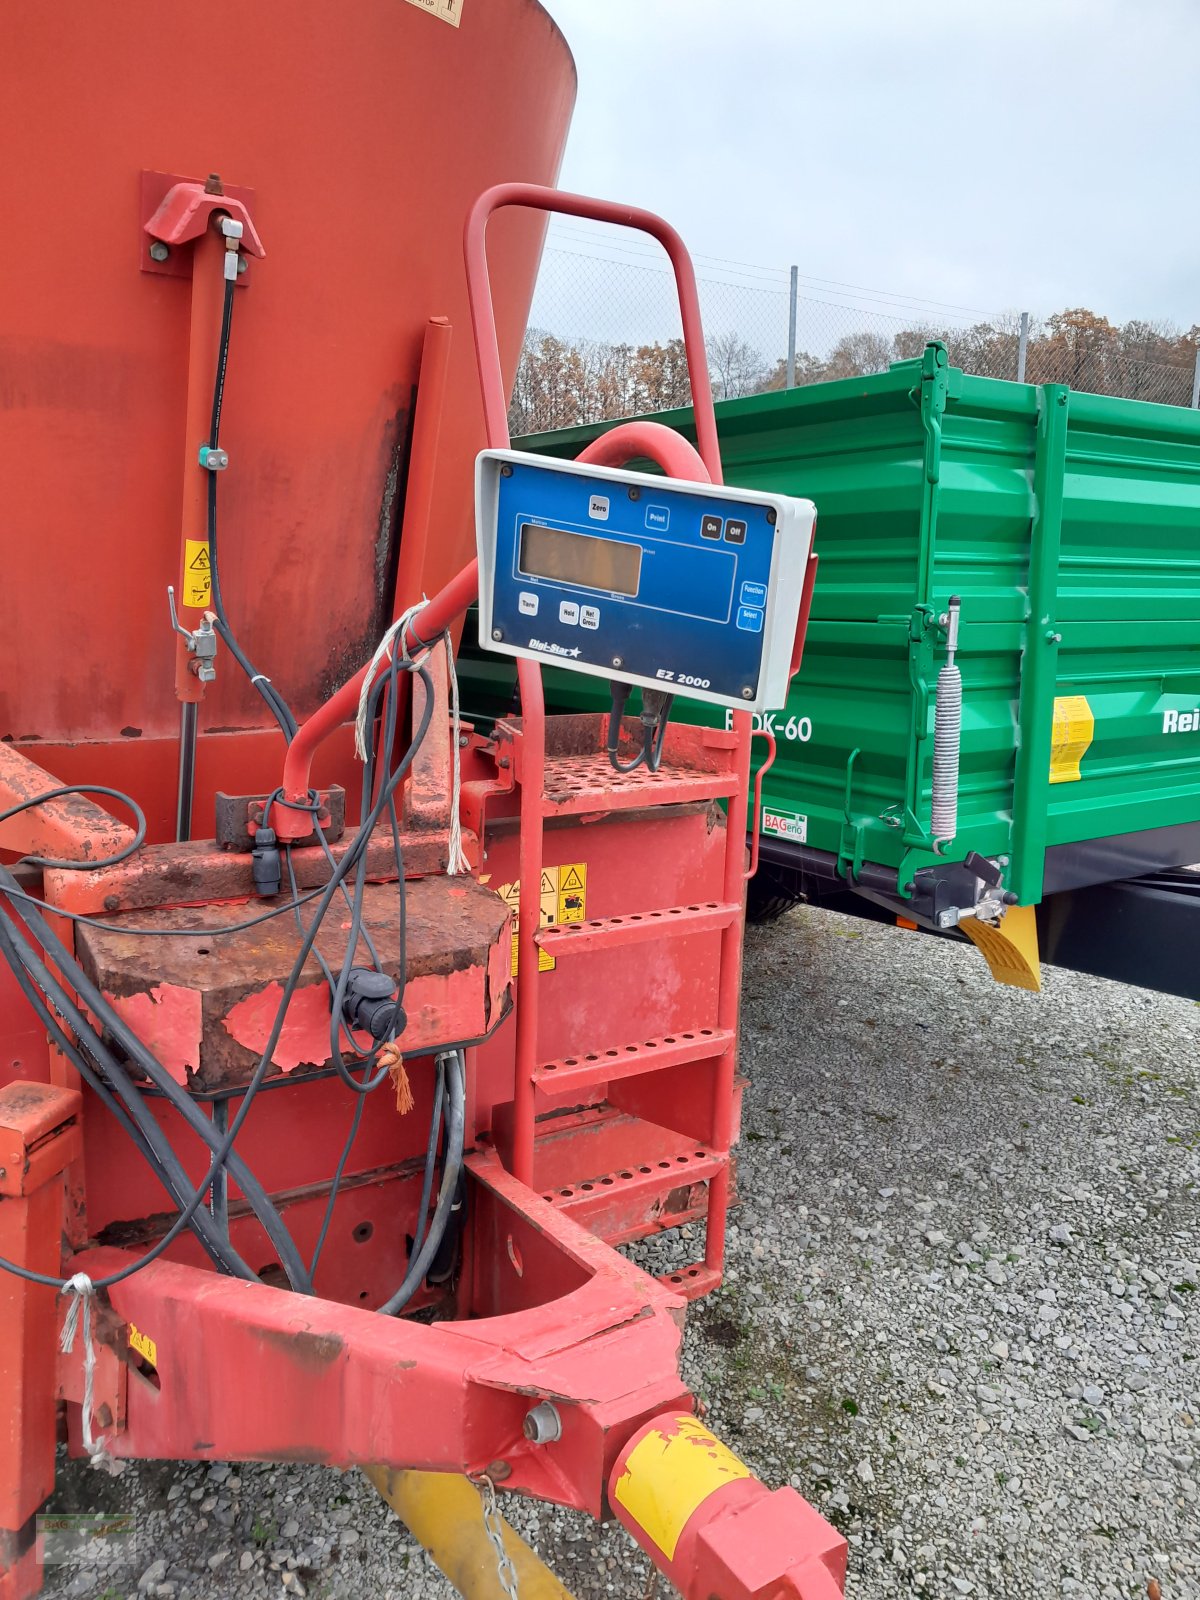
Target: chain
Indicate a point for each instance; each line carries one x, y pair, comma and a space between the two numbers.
493, 1525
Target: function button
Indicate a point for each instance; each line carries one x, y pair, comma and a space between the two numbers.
589, 616
658, 517
735, 531
598, 508
710, 527
754, 594
527, 603
568, 612
749, 619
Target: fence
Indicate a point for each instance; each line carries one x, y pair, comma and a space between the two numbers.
604, 338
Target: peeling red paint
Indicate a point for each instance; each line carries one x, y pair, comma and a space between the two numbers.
168, 1021
304, 1037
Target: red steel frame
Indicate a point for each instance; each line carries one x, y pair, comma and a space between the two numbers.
317, 1379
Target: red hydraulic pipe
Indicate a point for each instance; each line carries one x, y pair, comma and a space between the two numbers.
630, 441
446, 605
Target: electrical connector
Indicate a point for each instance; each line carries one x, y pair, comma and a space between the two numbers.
265, 864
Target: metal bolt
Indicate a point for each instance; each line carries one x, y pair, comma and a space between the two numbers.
497, 633
497, 1471
747, 693
1001, 861
542, 1425
1052, 637
617, 662
635, 493
158, 250
506, 470
946, 919
3, 1172
243, 265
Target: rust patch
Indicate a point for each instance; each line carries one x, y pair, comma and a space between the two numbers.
305, 1348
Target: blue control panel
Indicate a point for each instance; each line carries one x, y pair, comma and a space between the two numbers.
641, 579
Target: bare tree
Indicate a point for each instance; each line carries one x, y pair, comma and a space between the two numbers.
736, 368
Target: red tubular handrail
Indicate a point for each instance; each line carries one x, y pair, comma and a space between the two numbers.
459, 593
536, 197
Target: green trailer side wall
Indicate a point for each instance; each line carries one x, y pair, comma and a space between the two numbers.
1069, 524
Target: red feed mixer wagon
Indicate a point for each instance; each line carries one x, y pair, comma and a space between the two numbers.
342, 1046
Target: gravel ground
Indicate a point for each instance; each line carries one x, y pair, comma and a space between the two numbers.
960, 1316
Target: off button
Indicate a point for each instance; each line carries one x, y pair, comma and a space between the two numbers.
735, 531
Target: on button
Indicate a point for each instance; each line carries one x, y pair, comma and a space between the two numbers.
710, 527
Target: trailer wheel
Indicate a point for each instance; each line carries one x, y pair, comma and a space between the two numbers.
768, 898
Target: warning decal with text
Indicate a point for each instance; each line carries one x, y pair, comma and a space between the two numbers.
197, 574
563, 898
448, 10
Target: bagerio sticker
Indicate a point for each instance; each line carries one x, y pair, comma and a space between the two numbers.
448, 10
791, 825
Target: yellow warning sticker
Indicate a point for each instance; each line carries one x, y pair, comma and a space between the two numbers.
1074, 730
670, 1473
572, 892
563, 895
448, 10
197, 574
143, 1344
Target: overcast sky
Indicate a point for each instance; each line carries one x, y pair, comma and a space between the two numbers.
990, 154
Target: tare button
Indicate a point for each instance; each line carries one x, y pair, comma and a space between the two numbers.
749, 619
527, 603
754, 594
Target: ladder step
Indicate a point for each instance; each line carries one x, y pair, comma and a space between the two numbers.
578, 785
651, 1055
644, 1197
604, 932
693, 1281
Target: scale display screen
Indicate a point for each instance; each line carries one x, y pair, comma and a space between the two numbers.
579, 558
680, 586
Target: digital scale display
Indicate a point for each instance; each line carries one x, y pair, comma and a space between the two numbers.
639, 579
579, 558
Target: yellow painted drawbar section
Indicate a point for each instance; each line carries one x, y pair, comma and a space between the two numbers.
444, 1512
668, 1475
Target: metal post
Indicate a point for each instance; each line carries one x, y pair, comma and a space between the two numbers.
793, 298
188, 725
1023, 347
1196, 382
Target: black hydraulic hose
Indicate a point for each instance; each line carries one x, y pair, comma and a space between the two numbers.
139, 835
136, 1051
455, 1139
133, 1121
275, 702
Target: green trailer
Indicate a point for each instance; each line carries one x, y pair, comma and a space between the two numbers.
1059, 534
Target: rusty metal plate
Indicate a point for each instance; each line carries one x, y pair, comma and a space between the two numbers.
206, 1005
